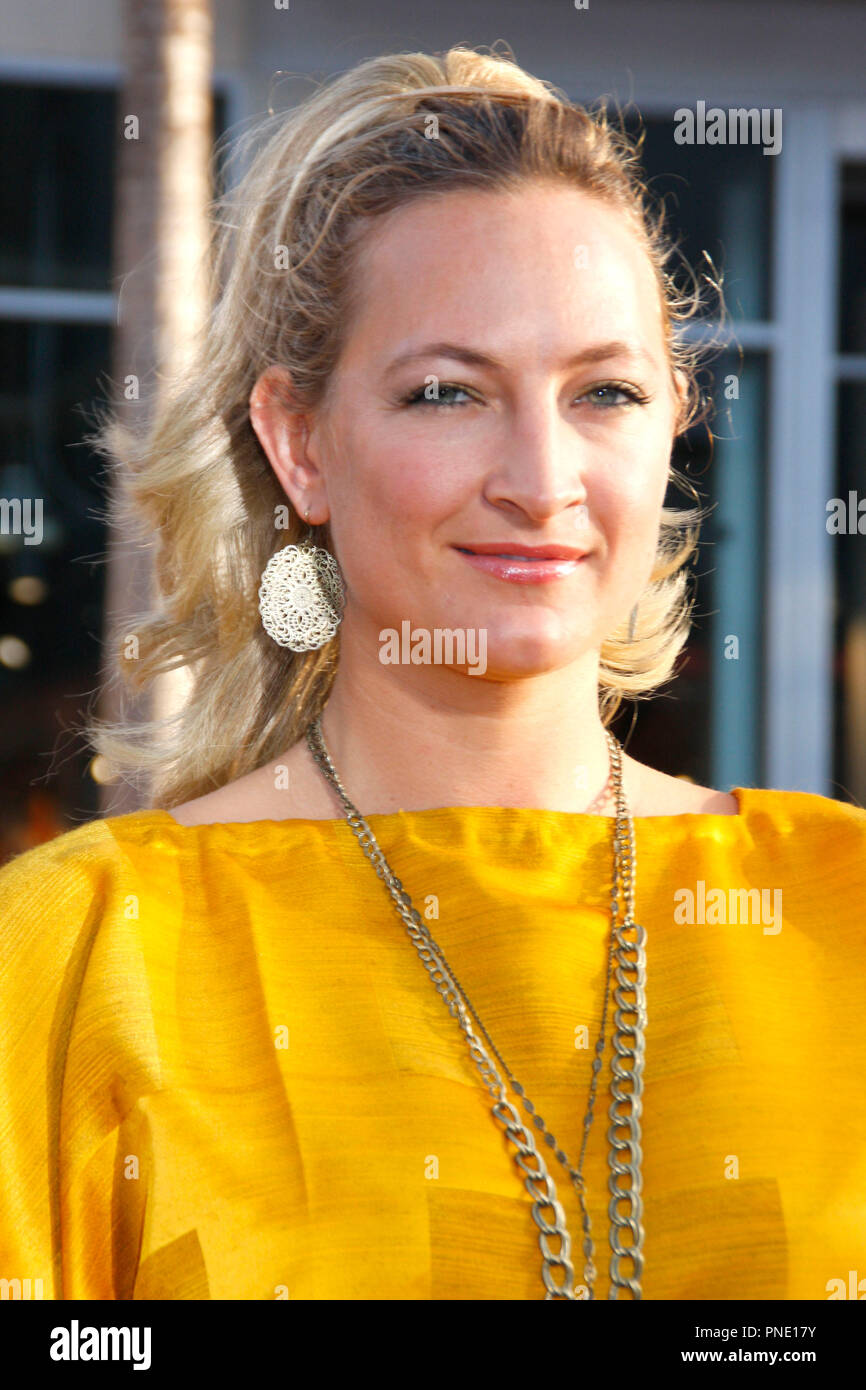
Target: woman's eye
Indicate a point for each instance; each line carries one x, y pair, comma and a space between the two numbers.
600, 395
606, 396
425, 395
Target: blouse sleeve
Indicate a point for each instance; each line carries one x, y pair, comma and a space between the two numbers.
58, 1135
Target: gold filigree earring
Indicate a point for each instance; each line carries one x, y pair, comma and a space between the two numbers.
301, 596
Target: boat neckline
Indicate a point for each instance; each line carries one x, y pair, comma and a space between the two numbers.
742, 795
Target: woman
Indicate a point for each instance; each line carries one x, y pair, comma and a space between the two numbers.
444, 350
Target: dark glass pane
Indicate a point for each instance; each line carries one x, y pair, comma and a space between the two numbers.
735, 559
50, 645
852, 270
849, 552
705, 725
56, 201
719, 198
56, 153
57, 157
46, 371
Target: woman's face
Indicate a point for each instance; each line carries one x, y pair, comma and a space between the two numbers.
537, 317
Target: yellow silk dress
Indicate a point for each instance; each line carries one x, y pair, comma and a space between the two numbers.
226, 1073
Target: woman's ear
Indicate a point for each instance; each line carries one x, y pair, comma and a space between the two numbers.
283, 433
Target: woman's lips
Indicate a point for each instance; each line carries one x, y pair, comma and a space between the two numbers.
522, 571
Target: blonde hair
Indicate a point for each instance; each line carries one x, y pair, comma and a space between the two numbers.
197, 484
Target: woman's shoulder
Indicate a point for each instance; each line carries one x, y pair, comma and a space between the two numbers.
762, 807
286, 789
56, 900
799, 812
67, 862
78, 877
813, 843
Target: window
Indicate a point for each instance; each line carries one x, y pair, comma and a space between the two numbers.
57, 311
706, 725
849, 543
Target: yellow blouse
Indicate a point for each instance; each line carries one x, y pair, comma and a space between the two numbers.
225, 1073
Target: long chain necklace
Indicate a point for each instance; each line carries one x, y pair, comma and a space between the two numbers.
624, 1152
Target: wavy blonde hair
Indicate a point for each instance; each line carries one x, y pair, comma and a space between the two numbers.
198, 486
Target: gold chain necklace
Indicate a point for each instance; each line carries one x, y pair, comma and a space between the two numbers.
628, 1044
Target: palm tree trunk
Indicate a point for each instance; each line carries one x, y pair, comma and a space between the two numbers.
162, 188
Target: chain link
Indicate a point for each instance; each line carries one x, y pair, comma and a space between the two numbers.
626, 1085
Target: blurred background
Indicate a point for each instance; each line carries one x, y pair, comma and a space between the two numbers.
109, 113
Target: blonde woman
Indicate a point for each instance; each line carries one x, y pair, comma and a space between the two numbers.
408, 968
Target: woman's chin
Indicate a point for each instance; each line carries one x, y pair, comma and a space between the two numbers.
504, 647
516, 659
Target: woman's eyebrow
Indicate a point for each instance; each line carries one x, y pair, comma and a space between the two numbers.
632, 352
